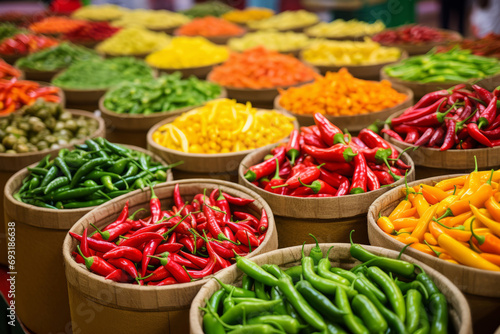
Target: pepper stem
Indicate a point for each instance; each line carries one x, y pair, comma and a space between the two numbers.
132, 217
277, 174
105, 235
491, 177
350, 237
432, 249
480, 238
402, 251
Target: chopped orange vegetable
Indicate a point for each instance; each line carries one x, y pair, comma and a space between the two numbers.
261, 68
210, 26
56, 25
339, 93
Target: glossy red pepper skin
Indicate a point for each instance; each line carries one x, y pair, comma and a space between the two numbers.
221, 251
166, 281
372, 180
97, 245
176, 270
313, 140
336, 153
84, 244
326, 128
275, 182
99, 266
178, 201
169, 247
488, 115
198, 261
342, 168
158, 274
266, 167
247, 238
133, 254
78, 257
237, 200
119, 276
212, 224
223, 204
373, 140
302, 192
154, 207
343, 189
483, 94
150, 249
437, 137
475, 133
426, 136
137, 240
307, 175
121, 218
263, 223
207, 270
417, 113
247, 217
383, 177
428, 100
293, 146
360, 177
125, 265
153, 227
392, 133
411, 136
236, 227
492, 134
358, 142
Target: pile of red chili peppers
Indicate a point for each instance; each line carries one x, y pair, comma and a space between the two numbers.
189, 241
451, 119
91, 31
322, 161
410, 34
22, 44
15, 94
7, 71
488, 46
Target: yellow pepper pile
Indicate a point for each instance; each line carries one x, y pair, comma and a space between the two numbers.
457, 220
223, 126
104, 12
183, 52
151, 19
248, 14
340, 28
270, 39
133, 41
341, 53
286, 20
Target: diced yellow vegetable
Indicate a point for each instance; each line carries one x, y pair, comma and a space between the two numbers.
133, 41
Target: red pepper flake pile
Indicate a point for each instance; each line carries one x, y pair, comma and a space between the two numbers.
451, 119
189, 241
56, 25
7, 71
91, 31
488, 46
22, 44
411, 34
261, 68
210, 26
15, 94
322, 161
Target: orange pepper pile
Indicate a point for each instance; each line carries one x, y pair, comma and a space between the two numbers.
56, 25
7, 71
210, 26
338, 94
457, 220
15, 94
261, 68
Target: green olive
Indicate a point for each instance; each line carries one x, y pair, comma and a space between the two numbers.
65, 133
51, 139
54, 146
71, 125
2, 134
42, 145
34, 120
9, 141
59, 126
24, 126
22, 140
11, 151
51, 123
61, 141
38, 127
34, 139
66, 116
32, 148
43, 113
21, 148
2, 148
15, 131
81, 122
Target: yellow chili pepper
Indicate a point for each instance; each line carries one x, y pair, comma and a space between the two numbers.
463, 254
439, 194
404, 222
405, 238
493, 208
423, 223
430, 238
423, 248
485, 175
448, 184
133, 41
494, 226
340, 28
285, 20
445, 204
471, 185
408, 229
386, 225
420, 203
399, 209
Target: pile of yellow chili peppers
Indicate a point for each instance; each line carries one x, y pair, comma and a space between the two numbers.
457, 220
104, 12
133, 41
248, 14
184, 52
286, 20
340, 28
223, 126
271, 39
151, 19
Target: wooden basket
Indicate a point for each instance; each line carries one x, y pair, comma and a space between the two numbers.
11, 59
438, 162
36, 75
459, 312
420, 89
367, 72
41, 294
127, 308
355, 123
330, 219
219, 166
132, 129
420, 48
470, 280
11, 163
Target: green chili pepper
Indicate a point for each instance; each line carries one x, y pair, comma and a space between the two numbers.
352, 322
56, 183
405, 286
99, 151
59, 162
34, 183
256, 329
246, 282
428, 283
216, 299
38, 171
316, 254
62, 153
85, 204
237, 292
319, 301
107, 182
280, 308
274, 270
211, 323
256, 272
119, 166
334, 328
132, 170
43, 162
72, 193
438, 307
390, 289
41, 204
228, 302
363, 280
260, 291
235, 314
372, 318
423, 325
90, 183
51, 174
289, 324
87, 168
348, 275
120, 150
324, 267
294, 272
413, 304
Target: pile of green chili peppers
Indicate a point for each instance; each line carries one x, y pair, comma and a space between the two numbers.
57, 57
167, 93
98, 73
454, 65
89, 175
380, 295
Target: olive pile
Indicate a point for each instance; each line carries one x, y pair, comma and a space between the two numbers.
42, 126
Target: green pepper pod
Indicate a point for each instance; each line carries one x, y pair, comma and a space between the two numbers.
423, 325
59, 162
56, 184
247, 282
413, 304
256, 272
316, 254
324, 267
87, 168
319, 301
289, 324
236, 292
390, 289
372, 287
260, 291
256, 329
352, 322
97, 148
364, 308
428, 283
51, 175
84, 204
118, 166
235, 314
72, 193
438, 307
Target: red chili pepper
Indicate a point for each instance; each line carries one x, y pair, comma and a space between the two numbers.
343, 189
158, 274
137, 240
383, 177
85, 244
326, 128
263, 223
169, 247
360, 178
358, 142
247, 238
492, 134
119, 276
111, 234
320, 187
307, 175
154, 206
276, 181
437, 137
372, 181
433, 119
336, 153
247, 217
309, 162
306, 130
97, 245
411, 136
265, 168
78, 257
467, 144
188, 243
342, 168
483, 94
220, 261
121, 218
301, 192
150, 249
133, 254
127, 266
207, 270
96, 264
475, 133
223, 204
237, 200
198, 261
212, 224
392, 133
313, 140
426, 136
488, 115
320, 196
175, 269
219, 249
178, 201
229, 233
293, 146
241, 226
420, 112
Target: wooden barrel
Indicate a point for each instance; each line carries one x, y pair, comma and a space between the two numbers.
11, 163
222, 166
366, 72
129, 308
433, 162
132, 129
355, 123
41, 293
331, 219
480, 286
458, 309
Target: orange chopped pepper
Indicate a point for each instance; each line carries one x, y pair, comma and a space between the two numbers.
210, 26
56, 25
